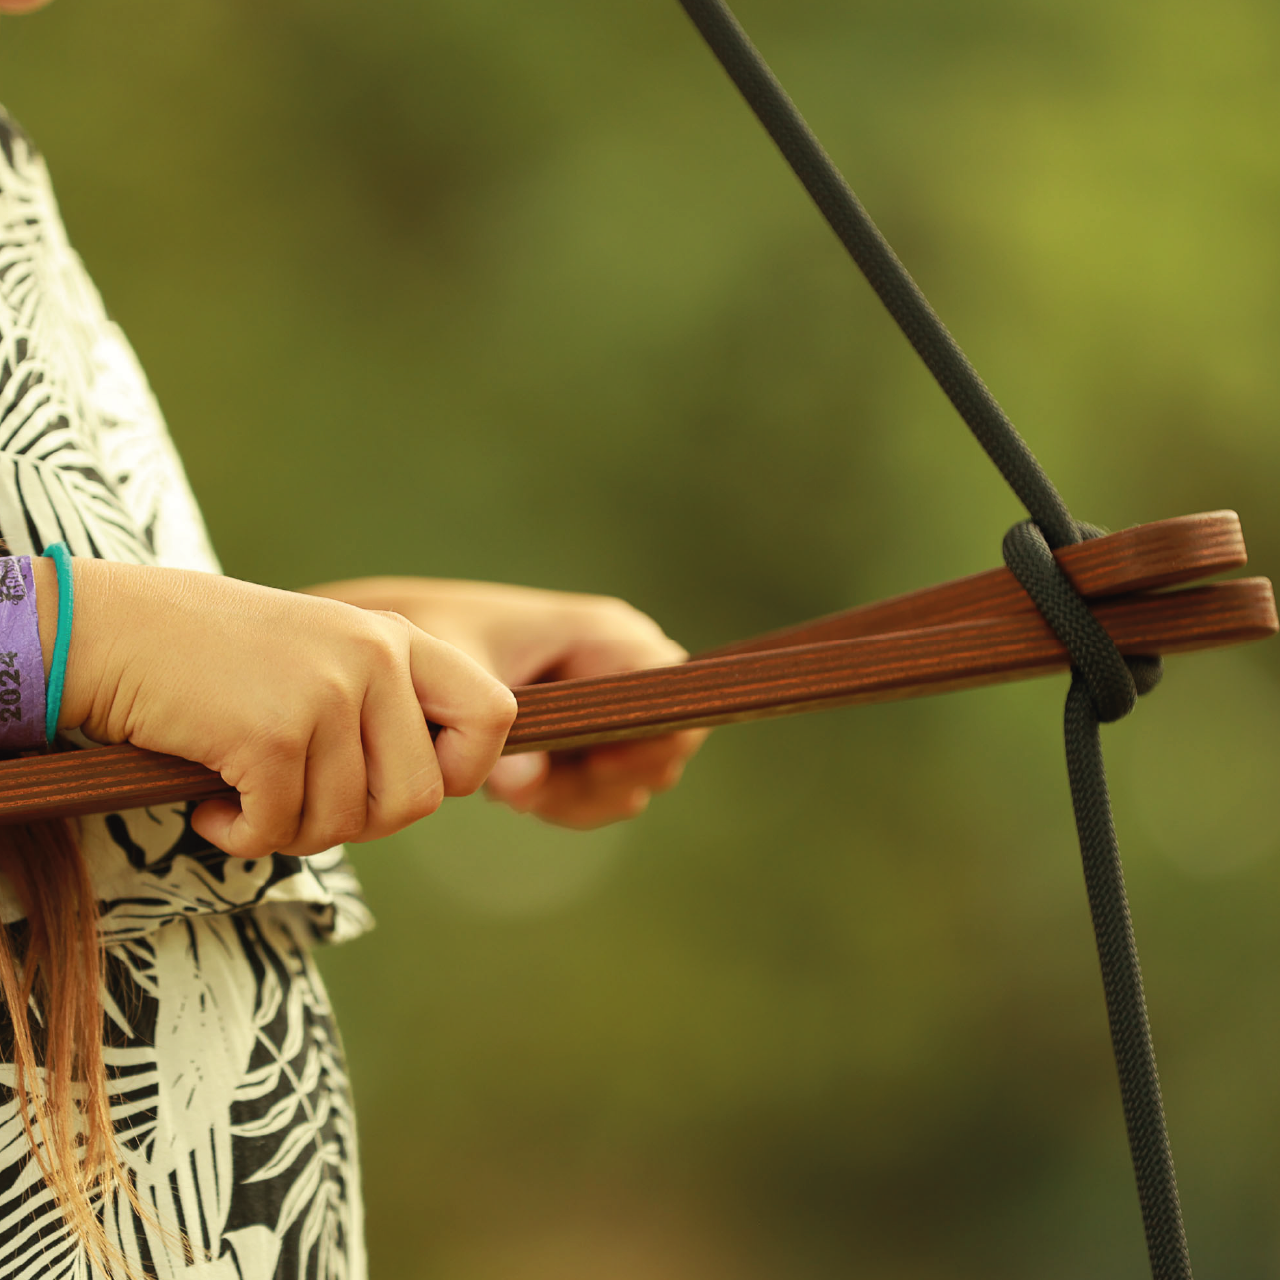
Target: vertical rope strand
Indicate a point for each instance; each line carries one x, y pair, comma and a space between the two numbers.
877, 261
1104, 878
1122, 985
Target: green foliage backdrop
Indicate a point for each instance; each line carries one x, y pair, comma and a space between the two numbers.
497, 290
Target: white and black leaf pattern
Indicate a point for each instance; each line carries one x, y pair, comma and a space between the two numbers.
231, 1103
85, 458
229, 1093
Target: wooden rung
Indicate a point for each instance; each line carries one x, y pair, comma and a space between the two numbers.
975, 631
878, 668
1147, 556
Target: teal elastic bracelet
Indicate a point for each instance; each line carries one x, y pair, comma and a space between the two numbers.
61, 558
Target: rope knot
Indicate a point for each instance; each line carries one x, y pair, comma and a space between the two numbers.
1114, 682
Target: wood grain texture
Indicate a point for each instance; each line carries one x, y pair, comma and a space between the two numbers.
1161, 554
877, 668
976, 631
100, 780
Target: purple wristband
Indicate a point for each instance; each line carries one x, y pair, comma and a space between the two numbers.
22, 691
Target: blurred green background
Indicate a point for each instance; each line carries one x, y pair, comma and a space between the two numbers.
498, 290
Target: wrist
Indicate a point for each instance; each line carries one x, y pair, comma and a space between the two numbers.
92, 630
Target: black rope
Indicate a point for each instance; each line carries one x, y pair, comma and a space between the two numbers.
1104, 687
884, 272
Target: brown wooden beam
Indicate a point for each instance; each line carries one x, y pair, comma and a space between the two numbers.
975, 631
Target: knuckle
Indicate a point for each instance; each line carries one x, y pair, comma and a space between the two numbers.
276, 739
669, 776
396, 621
624, 624
637, 803
269, 838
381, 640
347, 824
414, 793
463, 782
283, 828
500, 711
336, 697
614, 604
625, 612
620, 614
420, 795
429, 798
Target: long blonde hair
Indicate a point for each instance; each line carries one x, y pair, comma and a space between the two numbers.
51, 970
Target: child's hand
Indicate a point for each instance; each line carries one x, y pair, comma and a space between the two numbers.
590, 788
315, 711
525, 636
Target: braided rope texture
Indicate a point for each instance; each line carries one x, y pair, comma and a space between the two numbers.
1104, 687
882, 268
1122, 983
